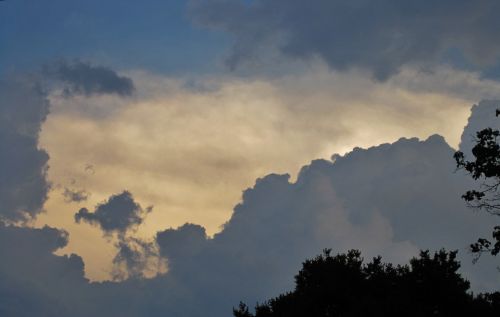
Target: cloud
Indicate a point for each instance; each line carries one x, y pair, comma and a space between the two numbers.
483, 116
136, 259
379, 36
116, 215
391, 199
85, 79
77, 196
183, 242
35, 281
24, 107
376, 199
217, 141
23, 186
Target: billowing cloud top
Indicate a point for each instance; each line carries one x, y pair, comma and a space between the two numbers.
482, 117
380, 36
117, 215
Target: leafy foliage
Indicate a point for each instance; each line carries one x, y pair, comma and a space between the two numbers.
341, 285
486, 167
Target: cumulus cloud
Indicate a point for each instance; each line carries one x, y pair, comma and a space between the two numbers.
483, 116
391, 199
82, 78
23, 186
183, 242
34, 280
380, 36
275, 126
116, 215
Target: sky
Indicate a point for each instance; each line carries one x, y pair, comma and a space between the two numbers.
176, 157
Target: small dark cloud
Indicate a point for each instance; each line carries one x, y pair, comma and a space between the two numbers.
80, 78
75, 195
380, 36
116, 215
135, 259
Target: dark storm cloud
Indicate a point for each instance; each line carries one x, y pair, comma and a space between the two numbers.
85, 79
116, 215
380, 36
23, 166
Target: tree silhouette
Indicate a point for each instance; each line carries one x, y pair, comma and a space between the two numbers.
341, 285
485, 167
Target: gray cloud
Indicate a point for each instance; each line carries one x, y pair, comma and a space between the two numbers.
380, 36
35, 282
184, 241
75, 195
391, 199
116, 215
23, 166
482, 117
85, 79
135, 259
24, 107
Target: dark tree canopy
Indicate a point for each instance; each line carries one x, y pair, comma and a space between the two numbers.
485, 167
342, 285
